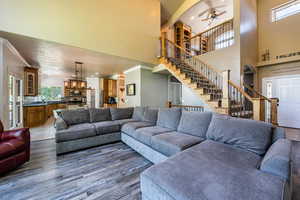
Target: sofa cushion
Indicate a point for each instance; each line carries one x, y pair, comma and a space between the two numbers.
121, 113
211, 171
99, 114
107, 127
11, 147
144, 134
138, 113
78, 116
173, 142
251, 135
132, 126
194, 123
150, 115
169, 117
277, 159
125, 121
74, 132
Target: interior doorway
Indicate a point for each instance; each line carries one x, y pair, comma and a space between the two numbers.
174, 91
249, 79
287, 89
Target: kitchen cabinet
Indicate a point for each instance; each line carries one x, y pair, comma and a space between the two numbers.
37, 115
31, 81
109, 89
34, 116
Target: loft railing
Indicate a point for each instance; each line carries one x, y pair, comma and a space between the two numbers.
186, 107
217, 37
237, 102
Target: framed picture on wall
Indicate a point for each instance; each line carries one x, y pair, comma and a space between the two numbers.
130, 89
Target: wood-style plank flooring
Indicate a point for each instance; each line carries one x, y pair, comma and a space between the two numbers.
109, 172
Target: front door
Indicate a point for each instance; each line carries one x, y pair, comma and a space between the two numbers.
287, 89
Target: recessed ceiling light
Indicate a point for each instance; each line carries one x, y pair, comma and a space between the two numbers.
97, 73
192, 17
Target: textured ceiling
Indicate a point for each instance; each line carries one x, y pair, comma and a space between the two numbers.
58, 60
168, 8
191, 18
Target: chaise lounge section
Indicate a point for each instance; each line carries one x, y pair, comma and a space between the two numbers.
197, 155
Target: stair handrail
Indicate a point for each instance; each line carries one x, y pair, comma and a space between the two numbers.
258, 93
195, 57
240, 90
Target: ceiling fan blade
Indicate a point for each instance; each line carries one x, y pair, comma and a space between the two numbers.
204, 20
202, 13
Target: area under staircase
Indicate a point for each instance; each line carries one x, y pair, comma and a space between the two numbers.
214, 87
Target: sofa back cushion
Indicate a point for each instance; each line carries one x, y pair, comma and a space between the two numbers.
121, 113
138, 113
194, 123
169, 117
150, 115
78, 116
99, 114
251, 135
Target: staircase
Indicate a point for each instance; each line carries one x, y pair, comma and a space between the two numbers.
213, 87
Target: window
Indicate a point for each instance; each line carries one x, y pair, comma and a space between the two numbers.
224, 40
51, 93
285, 10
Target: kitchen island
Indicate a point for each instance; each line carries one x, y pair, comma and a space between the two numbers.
37, 113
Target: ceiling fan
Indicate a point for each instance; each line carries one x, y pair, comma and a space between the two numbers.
212, 12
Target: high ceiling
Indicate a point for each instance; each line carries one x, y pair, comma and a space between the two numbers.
58, 60
168, 8
191, 17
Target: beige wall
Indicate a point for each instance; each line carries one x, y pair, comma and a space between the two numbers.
248, 32
280, 37
123, 28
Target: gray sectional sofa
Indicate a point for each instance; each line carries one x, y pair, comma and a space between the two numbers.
197, 155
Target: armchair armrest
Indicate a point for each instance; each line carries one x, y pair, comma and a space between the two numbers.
277, 160
21, 134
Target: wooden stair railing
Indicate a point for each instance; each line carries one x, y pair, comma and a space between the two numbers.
270, 105
213, 86
186, 107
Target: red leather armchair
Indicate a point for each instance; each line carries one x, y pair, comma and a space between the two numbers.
14, 148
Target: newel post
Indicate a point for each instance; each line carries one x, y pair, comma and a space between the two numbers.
258, 109
225, 90
274, 108
163, 46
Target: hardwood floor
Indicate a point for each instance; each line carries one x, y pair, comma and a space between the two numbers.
108, 172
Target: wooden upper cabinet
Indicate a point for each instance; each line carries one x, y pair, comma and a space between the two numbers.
109, 89
112, 88
31, 81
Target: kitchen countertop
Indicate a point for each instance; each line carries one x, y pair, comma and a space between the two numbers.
32, 104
